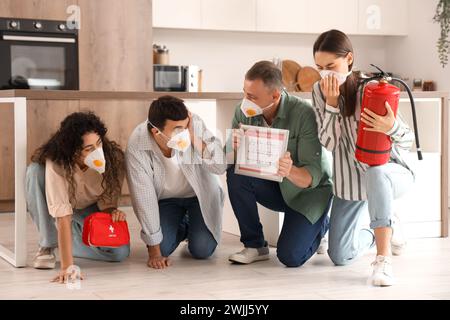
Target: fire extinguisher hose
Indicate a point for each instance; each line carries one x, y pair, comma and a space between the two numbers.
413, 109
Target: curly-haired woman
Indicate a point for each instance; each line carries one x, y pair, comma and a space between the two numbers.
78, 171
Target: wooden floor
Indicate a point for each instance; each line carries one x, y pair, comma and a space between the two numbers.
423, 272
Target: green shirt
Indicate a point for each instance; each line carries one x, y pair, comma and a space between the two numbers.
297, 116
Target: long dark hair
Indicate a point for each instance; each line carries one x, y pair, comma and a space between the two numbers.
65, 146
337, 42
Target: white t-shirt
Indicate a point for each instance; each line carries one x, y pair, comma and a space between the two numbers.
175, 183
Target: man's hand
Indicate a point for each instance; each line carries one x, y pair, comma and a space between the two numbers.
237, 136
118, 215
159, 262
156, 260
285, 165
330, 89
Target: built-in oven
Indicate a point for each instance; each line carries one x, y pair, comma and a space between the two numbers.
38, 54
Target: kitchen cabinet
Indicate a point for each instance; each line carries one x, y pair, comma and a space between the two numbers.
183, 14
6, 152
32, 9
330, 14
383, 17
272, 16
355, 17
116, 48
233, 15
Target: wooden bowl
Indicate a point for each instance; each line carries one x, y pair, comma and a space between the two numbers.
306, 77
290, 70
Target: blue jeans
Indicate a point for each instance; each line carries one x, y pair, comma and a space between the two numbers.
299, 238
347, 239
48, 235
180, 219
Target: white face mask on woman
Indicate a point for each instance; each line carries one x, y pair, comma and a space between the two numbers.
341, 77
251, 109
96, 160
180, 141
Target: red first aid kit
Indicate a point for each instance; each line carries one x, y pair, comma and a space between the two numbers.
100, 231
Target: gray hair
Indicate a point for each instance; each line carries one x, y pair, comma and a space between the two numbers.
268, 73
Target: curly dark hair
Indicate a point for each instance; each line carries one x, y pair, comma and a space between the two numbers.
65, 146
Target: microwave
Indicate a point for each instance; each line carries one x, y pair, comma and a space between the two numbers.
175, 78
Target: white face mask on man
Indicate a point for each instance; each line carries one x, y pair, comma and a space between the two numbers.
251, 109
180, 141
341, 77
96, 160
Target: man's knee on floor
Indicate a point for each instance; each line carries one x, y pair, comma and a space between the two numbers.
291, 259
202, 249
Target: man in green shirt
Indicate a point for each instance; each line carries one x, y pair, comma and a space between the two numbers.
305, 193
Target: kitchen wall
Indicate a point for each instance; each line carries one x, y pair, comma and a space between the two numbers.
225, 56
416, 56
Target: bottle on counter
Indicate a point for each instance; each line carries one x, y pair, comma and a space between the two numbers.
160, 54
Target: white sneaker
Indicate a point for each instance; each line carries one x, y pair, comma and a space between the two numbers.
45, 258
382, 275
398, 240
323, 246
249, 255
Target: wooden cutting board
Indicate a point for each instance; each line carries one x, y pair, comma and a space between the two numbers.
306, 77
290, 69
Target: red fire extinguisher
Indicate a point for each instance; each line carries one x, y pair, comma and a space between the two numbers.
374, 148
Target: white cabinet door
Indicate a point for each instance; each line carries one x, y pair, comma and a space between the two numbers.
183, 14
383, 17
282, 16
331, 14
234, 15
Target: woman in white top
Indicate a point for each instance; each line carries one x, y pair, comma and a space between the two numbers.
78, 171
358, 187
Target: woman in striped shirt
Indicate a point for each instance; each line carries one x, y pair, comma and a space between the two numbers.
358, 187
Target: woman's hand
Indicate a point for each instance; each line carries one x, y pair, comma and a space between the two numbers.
377, 123
66, 276
285, 165
118, 215
330, 89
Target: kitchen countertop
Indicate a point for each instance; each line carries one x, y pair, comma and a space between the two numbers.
148, 95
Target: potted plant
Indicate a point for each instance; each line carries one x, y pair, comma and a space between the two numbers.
442, 17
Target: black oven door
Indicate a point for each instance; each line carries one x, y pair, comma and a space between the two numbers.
30, 61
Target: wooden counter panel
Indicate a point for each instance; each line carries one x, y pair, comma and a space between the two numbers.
7, 151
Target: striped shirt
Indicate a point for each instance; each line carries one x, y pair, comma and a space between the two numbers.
338, 133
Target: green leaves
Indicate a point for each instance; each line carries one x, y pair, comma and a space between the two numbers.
442, 16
